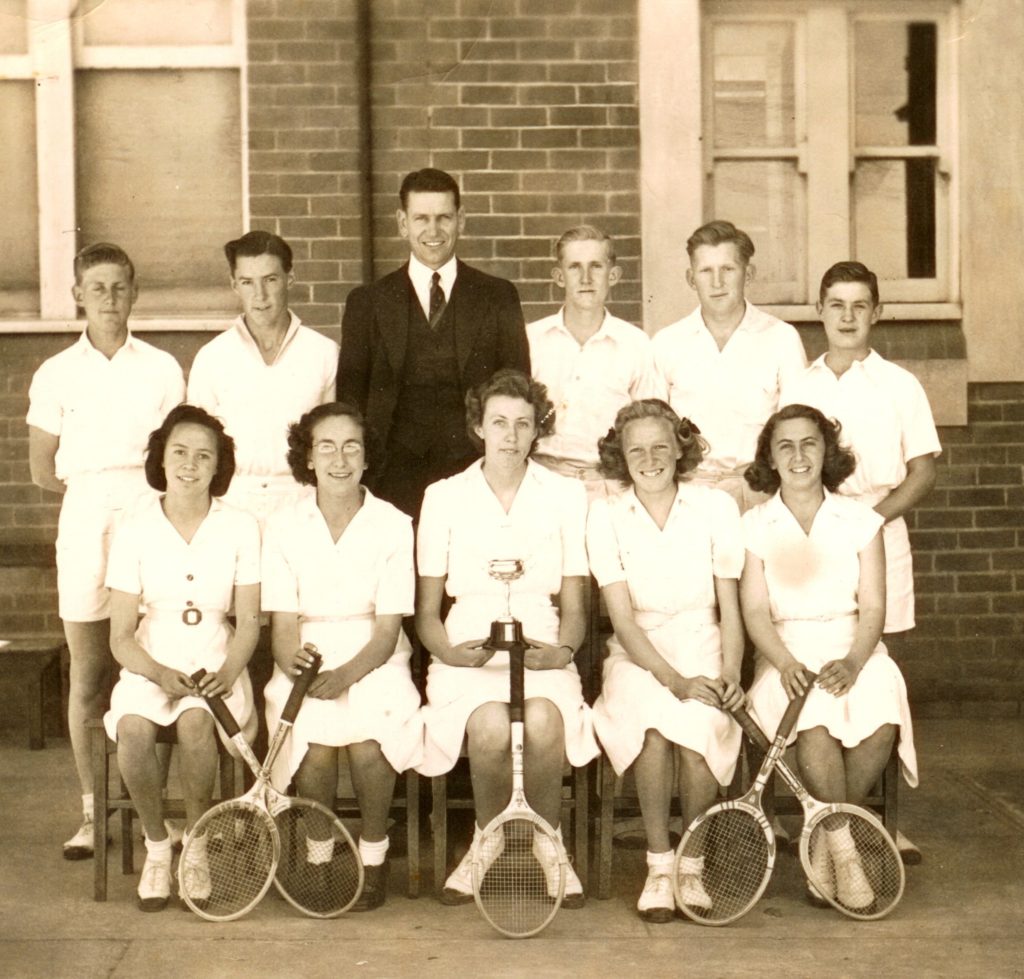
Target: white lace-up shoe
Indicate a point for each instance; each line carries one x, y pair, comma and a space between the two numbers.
155, 882
656, 904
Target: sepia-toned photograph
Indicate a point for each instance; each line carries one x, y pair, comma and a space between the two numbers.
481, 470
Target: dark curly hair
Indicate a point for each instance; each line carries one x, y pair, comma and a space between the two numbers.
839, 462
691, 445
185, 414
300, 439
509, 383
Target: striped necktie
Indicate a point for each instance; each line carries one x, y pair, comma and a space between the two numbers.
437, 301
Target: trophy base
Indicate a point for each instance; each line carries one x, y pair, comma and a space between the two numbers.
505, 633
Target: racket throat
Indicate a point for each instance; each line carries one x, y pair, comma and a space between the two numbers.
517, 733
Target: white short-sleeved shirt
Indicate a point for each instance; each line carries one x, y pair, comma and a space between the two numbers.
590, 383
729, 393
368, 571
815, 575
101, 409
885, 416
667, 570
257, 401
463, 527
151, 559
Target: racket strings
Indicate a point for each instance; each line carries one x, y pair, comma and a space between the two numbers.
722, 866
520, 874
227, 864
855, 865
319, 871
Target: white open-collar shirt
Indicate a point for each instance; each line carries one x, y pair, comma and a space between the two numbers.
590, 383
257, 401
730, 393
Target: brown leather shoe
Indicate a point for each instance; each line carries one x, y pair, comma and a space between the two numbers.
375, 888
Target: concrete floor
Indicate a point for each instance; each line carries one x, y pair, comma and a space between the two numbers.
962, 914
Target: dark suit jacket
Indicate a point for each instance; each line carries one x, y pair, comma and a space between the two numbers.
489, 334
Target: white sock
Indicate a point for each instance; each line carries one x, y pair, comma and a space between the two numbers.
158, 848
319, 851
660, 861
87, 805
373, 854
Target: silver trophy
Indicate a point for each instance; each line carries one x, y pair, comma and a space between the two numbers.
506, 631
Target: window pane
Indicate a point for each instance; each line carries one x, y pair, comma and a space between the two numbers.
19, 229
752, 85
894, 217
895, 96
13, 26
159, 172
764, 199
158, 22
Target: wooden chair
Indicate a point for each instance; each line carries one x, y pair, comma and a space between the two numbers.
105, 804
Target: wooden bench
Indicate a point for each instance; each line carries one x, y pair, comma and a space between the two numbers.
29, 660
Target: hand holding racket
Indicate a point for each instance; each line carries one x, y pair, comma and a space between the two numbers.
519, 861
231, 854
846, 852
725, 859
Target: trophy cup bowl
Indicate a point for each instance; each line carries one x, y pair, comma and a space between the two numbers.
506, 631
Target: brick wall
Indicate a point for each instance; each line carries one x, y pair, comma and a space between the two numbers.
965, 658
303, 144
533, 106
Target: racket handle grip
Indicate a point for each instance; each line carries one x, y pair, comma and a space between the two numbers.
517, 680
301, 685
218, 708
796, 705
750, 728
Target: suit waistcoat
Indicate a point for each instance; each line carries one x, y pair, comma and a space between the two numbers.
430, 416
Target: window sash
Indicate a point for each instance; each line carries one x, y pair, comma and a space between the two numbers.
56, 49
824, 150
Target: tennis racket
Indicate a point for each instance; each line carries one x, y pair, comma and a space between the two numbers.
518, 860
231, 855
846, 852
319, 871
725, 859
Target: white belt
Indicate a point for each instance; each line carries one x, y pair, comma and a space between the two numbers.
690, 617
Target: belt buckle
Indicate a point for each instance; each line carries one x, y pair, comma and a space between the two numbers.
192, 616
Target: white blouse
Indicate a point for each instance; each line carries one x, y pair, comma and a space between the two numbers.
463, 527
667, 570
815, 575
369, 571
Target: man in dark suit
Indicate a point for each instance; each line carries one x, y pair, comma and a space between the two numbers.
414, 342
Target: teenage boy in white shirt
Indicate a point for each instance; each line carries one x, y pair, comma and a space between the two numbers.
886, 420
592, 363
262, 373
726, 362
91, 410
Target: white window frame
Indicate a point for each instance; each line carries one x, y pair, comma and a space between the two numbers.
674, 161
56, 48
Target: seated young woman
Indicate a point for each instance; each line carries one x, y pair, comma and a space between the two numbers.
188, 559
667, 554
338, 573
504, 507
813, 599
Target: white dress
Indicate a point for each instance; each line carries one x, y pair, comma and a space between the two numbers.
462, 528
670, 573
178, 582
337, 589
812, 589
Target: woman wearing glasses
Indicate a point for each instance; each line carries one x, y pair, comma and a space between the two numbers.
338, 574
